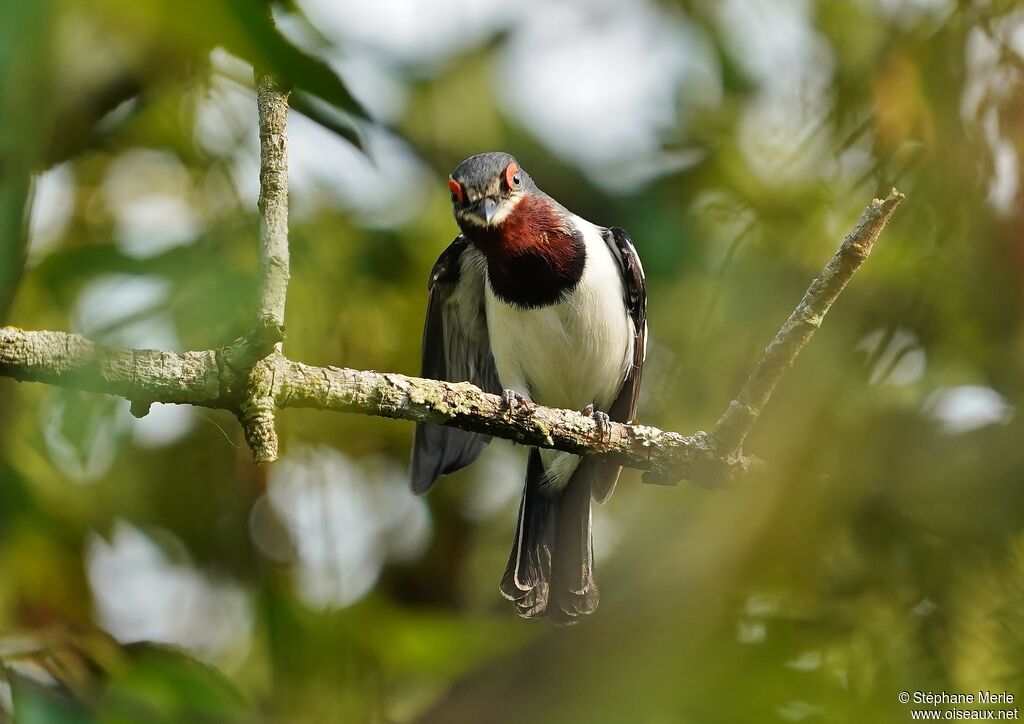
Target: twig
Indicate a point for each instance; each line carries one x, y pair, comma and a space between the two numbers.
256, 409
734, 425
272, 102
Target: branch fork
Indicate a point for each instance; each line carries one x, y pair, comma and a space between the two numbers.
257, 407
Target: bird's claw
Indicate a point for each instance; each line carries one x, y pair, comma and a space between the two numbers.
601, 420
512, 401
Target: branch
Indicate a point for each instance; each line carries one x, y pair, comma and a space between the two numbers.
256, 409
272, 103
738, 419
224, 378
209, 379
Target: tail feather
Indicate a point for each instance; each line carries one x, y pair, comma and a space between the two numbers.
573, 570
528, 574
550, 570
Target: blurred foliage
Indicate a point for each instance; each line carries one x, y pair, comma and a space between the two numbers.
883, 552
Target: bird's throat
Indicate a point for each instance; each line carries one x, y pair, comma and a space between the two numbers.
533, 257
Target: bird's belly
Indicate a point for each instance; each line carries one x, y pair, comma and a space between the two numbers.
570, 354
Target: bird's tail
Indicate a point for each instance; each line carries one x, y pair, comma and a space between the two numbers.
550, 571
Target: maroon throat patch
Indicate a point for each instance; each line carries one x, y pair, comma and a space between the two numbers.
533, 258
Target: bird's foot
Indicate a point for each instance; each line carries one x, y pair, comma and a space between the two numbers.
601, 419
513, 402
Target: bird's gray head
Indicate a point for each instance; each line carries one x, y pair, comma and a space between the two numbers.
486, 187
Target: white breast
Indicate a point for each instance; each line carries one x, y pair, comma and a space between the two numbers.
571, 354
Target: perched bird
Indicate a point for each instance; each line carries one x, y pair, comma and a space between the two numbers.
543, 307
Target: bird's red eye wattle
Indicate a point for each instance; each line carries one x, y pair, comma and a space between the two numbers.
513, 179
456, 190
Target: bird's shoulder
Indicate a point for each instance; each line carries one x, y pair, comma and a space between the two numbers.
628, 260
448, 267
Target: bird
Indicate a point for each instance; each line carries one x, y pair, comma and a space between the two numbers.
538, 305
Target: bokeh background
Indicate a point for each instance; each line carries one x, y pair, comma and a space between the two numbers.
150, 572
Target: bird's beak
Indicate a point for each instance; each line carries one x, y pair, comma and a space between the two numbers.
486, 208
490, 208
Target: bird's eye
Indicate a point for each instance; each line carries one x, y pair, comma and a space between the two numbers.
513, 177
456, 190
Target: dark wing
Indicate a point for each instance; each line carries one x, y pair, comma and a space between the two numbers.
623, 409
456, 348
